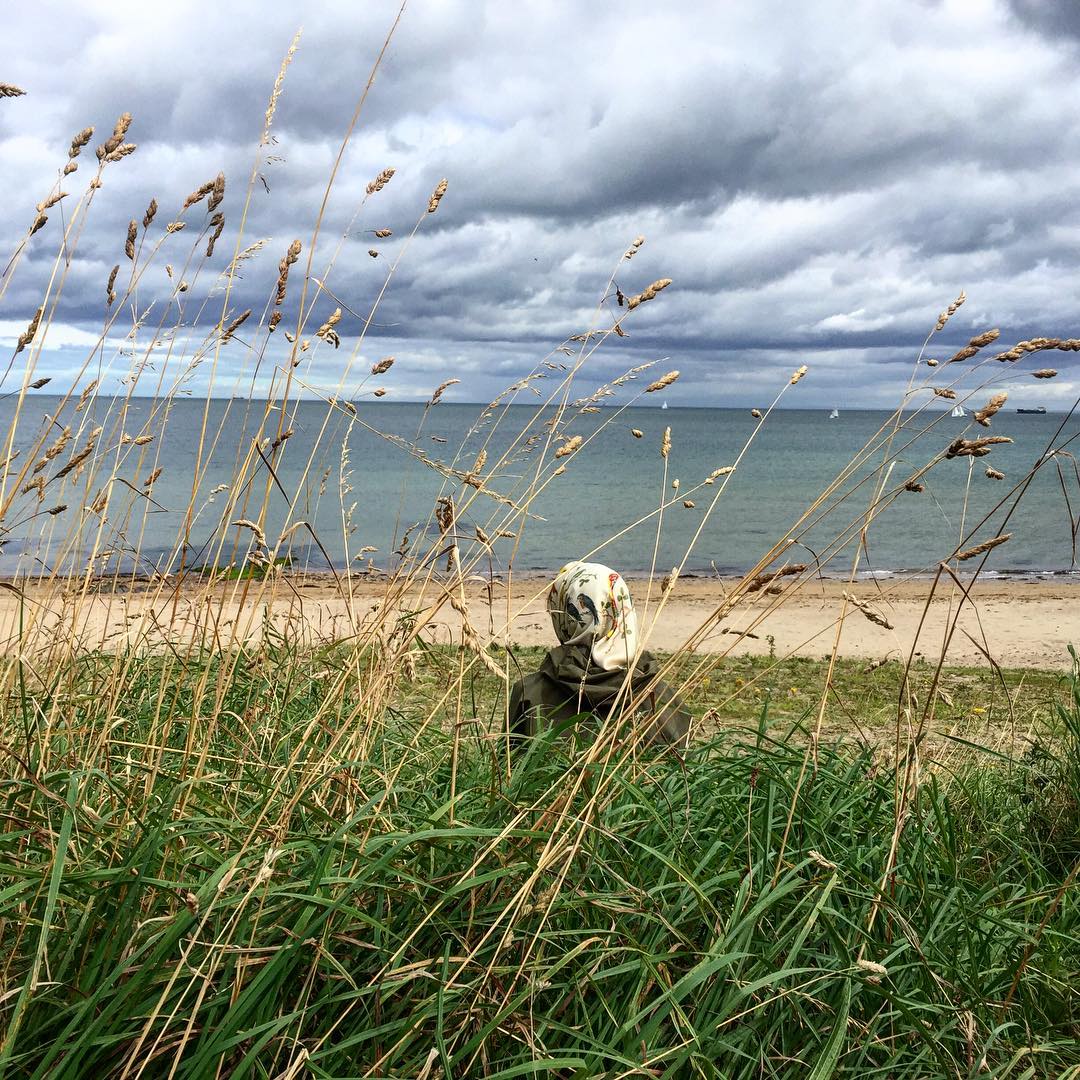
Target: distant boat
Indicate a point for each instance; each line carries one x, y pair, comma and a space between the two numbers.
959, 411
1038, 412
664, 406
835, 414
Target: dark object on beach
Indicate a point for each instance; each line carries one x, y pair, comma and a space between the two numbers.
594, 620
1038, 412
568, 685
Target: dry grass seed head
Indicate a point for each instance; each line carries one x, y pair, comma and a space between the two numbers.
770, 576
148, 217
31, 330
382, 234
662, 382
569, 446
218, 222
436, 196
755, 413
385, 364
874, 616
129, 244
198, 194
636, 432
7, 90
716, 473
437, 396
380, 181
983, 415
217, 193
993, 474
1044, 373
235, 325
648, 294
799, 374
974, 447
942, 392
665, 443
950, 311
979, 549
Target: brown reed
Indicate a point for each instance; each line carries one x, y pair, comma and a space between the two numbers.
915, 487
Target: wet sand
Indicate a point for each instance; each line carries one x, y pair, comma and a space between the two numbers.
1020, 623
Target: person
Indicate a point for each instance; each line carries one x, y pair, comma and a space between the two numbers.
594, 620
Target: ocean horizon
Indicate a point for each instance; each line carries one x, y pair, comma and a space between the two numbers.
604, 506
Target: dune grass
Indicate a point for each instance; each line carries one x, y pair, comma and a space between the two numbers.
221, 858
202, 893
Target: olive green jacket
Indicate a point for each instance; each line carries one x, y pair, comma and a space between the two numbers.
568, 684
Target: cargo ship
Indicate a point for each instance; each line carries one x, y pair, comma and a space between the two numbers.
1039, 411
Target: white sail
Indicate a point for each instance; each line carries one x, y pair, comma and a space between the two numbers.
664, 406
835, 414
959, 411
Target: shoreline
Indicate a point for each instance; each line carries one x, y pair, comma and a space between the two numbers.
1019, 622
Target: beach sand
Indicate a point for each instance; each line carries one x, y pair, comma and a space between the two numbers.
1019, 623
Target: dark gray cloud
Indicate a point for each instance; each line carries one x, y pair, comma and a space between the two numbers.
819, 183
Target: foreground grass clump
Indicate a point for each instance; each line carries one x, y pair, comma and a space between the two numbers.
276, 887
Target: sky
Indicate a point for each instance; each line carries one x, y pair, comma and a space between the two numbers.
818, 180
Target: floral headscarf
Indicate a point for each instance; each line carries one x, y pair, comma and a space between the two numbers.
589, 602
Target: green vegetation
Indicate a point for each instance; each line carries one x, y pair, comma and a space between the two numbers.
236, 866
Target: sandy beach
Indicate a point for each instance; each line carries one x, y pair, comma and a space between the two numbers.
1019, 623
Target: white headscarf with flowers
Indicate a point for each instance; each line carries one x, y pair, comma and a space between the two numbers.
589, 602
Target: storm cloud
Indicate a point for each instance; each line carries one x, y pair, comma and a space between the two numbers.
819, 181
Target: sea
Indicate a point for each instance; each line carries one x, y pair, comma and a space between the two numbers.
364, 487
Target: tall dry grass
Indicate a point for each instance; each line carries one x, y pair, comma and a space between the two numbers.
242, 848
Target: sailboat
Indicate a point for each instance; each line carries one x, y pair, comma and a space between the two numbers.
959, 411
664, 406
835, 414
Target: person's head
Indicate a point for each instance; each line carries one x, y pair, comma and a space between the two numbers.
590, 604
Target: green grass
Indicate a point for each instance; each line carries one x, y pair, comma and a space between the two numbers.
288, 901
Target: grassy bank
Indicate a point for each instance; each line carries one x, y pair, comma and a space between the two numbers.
240, 868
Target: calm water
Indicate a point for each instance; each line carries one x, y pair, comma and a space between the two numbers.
616, 480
